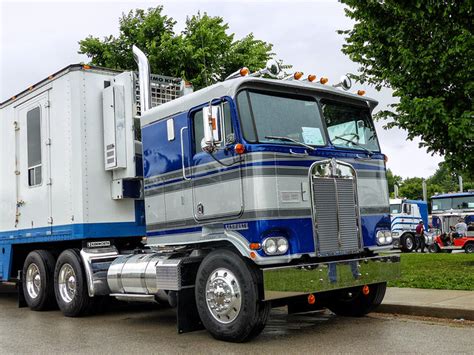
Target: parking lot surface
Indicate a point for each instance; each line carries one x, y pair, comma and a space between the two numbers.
149, 329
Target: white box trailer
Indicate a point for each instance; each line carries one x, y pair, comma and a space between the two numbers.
71, 162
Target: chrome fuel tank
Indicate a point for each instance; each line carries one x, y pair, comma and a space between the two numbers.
134, 274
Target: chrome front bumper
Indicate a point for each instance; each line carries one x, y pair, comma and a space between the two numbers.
289, 281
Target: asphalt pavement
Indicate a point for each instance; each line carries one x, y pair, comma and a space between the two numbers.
147, 329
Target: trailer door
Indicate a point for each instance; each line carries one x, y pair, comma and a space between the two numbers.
217, 189
33, 160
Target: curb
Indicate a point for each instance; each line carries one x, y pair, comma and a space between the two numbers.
426, 311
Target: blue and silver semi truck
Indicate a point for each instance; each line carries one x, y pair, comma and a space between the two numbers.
250, 193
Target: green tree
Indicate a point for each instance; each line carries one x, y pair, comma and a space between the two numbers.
423, 50
203, 53
392, 181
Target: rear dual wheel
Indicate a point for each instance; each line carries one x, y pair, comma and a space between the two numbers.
70, 285
37, 283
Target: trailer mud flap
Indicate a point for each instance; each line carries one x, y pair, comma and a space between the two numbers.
187, 316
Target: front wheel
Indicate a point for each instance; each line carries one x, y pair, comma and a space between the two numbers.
408, 243
227, 297
70, 285
357, 301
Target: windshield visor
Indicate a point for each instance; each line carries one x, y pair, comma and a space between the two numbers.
350, 126
275, 115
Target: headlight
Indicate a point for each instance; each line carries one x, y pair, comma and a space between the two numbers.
384, 237
275, 246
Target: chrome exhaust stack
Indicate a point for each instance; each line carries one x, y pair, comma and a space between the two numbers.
144, 78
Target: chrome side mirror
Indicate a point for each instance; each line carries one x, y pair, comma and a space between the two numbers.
212, 124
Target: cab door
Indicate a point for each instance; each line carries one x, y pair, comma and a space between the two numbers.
217, 187
34, 162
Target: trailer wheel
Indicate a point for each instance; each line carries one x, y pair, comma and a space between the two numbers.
353, 303
227, 297
408, 243
469, 248
70, 285
37, 280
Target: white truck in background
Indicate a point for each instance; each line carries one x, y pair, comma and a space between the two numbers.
405, 215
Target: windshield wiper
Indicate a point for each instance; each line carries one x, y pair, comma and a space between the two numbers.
288, 139
355, 143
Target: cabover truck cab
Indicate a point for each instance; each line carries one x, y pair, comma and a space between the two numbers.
405, 216
256, 193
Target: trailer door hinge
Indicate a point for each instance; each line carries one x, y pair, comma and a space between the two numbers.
50, 181
50, 220
48, 141
47, 103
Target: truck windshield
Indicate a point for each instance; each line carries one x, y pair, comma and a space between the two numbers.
395, 208
267, 116
350, 126
456, 203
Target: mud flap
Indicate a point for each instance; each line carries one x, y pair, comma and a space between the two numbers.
21, 296
187, 315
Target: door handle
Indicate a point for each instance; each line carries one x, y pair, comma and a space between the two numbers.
182, 154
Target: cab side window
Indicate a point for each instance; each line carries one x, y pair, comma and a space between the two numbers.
33, 134
407, 208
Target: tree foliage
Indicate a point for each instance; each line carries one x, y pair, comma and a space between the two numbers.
203, 53
444, 180
424, 50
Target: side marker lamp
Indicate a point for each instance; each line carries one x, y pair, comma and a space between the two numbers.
311, 77
244, 71
239, 148
323, 80
298, 75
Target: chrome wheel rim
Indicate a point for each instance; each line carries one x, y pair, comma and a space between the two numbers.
33, 281
223, 295
409, 243
67, 283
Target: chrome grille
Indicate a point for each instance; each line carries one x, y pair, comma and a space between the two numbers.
335, 216
163, 89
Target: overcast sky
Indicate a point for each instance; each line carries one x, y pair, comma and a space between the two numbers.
39, 38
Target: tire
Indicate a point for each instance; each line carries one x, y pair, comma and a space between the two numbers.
37, 283
469, 248
436, 248
242, 315
70, 285
353, 303
408, 243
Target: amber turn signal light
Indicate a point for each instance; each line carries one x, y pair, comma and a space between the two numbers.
239, 148
298, 75
244, 71
361, 92
311, 77
86, 67
323, 80
255, 246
